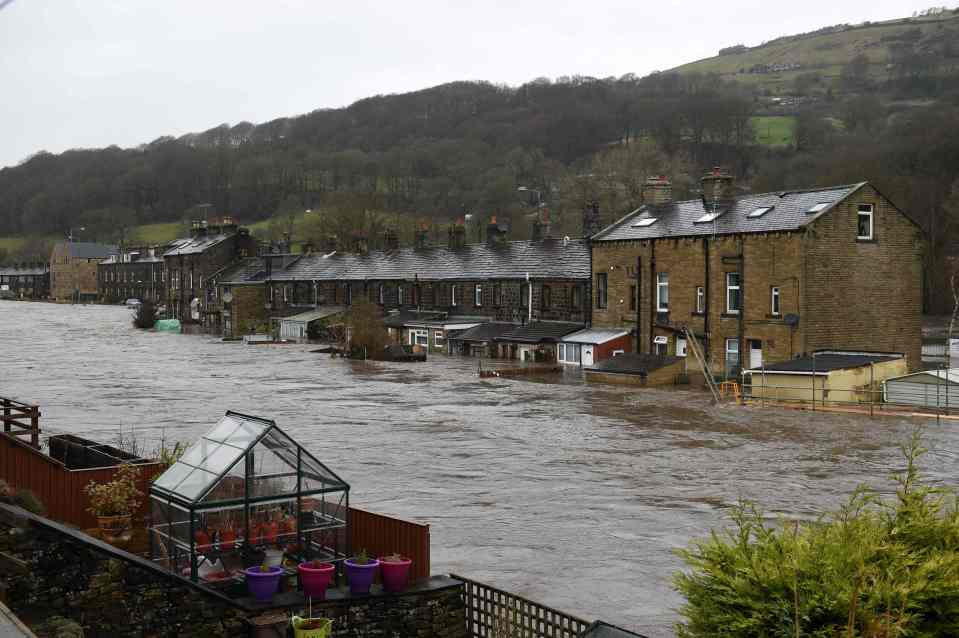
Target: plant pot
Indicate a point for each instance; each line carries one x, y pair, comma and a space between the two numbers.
360, 577
227, 540
315, 580
299, 631
262, 585
395, 573
115, 529
273, 557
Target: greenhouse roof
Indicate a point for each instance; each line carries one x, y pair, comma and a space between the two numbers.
248, 449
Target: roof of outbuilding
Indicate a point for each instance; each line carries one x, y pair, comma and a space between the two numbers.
316, 313
634, 363
827, 362
544, 259
540, 332
789, 211
485, 331
594, 335
950, 376
22, 271
400, 319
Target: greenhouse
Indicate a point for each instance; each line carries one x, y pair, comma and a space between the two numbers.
246, 494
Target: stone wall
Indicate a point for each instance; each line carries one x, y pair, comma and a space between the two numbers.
48, 570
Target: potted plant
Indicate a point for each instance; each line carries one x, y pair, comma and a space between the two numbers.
315, 577
360, 571
263, 581
114, 502
395, 571
310, 627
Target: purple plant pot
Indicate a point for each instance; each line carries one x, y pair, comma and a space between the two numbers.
360, 576
263, 585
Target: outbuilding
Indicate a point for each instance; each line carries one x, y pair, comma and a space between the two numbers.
588, 347
638, 369
535, 341
305, 326
825, 377
937, 389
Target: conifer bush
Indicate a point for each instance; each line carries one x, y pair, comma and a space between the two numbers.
876, 568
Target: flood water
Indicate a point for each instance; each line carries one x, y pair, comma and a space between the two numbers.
572, 495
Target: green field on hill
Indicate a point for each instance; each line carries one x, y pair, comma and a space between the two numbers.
774, 130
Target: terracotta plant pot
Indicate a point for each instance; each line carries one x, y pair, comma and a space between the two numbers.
115, 529
227, 540
395, 573
315, 579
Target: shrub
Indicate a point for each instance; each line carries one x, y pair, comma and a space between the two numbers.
875, 568
30, 502
117, 497
145, 316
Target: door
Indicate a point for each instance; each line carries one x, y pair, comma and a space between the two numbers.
755, 353
588, 356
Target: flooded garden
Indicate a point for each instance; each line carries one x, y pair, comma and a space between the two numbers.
574, 495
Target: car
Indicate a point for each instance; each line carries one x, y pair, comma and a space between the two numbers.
133, 303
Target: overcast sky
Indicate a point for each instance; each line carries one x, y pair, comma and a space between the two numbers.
88, 73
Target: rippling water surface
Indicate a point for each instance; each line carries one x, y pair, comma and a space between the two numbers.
572, 495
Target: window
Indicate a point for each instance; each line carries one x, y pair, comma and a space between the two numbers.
601, 291
348, 295
382, 294
399, 295
576, 297
477, 295
708, 217
680, 346
568, 353
453, 294
524, 295
775, 307
732, 356
662, 292
700, 300
818, 208
496, 295
645, 221
759, 212
632, 297
733, 293
660, 345
547, 298
419, 337
439, 338
864, 222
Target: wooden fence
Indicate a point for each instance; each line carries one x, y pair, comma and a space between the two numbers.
494, 613
379, 534
21, 419
59, 488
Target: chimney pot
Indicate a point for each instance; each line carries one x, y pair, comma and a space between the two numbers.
657, 190
718, 185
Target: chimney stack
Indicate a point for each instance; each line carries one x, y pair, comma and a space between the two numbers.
591, 221
718, 186
391, 240
331, 243
457, 235
657, 190
307, 248
422, 238
360, 244
495, 234
541, 227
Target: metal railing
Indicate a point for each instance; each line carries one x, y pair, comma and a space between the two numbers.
495, 613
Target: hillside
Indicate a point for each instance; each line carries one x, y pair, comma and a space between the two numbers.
775, 65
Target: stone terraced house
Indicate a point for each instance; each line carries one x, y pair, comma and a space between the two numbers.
762, 278
135, 272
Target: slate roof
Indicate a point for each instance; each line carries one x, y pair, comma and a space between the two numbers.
400, 319
540, 332
633, 363
17, 271
827, 362
677, 219
316, 313
485, 331
949, 376
241, 271
194, 245
594, 335
545, 259
89, 250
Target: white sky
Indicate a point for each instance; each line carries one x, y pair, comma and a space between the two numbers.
90, 73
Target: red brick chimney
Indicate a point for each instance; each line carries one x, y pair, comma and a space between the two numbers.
657, 190
718, 185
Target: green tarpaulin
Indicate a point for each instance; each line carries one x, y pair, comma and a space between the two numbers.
167, 325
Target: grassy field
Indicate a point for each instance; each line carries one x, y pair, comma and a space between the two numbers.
155, 233
775, 130
11, 244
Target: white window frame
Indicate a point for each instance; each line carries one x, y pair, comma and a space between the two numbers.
399, 295
439, 338
775, 301
453, 294
730, 351
700, 299
568, 353
661, 345
382, 294
739, 290
478, 295
662, 292
867, 211
416, 333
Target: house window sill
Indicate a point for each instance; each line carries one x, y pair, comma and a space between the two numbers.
730, 315
775, 317
697, 314
860, 240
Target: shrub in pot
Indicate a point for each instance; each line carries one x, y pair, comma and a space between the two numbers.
395, 571
263, 581
360, 571
114, 502
315, 577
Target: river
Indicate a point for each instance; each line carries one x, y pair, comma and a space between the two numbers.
572, 495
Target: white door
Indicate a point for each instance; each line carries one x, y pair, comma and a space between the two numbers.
755, 353
588, 356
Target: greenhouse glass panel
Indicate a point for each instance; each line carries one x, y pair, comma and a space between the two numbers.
220, 459
173, 476
195, 483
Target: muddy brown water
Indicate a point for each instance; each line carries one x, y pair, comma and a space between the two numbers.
572, 495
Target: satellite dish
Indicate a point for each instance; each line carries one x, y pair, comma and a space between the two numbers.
791, 320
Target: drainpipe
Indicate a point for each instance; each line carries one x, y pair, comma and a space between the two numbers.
639, 305
743, 351
707, 342
529, 298
652, 296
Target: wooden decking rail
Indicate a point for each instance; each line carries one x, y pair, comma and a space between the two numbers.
21, 419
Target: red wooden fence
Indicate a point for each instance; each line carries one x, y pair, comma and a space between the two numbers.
59, 488
380, 535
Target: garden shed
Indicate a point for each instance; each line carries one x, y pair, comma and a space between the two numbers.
929, 389
243, 492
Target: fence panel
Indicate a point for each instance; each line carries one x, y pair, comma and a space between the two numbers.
495, 613
379, 534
